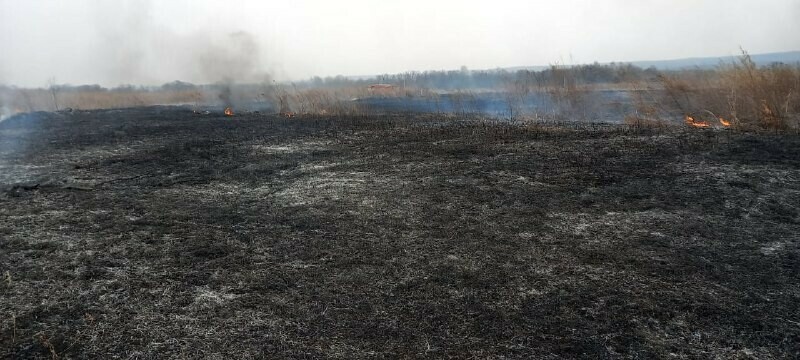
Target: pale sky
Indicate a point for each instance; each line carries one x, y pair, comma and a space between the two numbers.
151, 42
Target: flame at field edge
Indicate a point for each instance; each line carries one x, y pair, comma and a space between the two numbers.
691, 121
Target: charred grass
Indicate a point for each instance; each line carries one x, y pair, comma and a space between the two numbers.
156, 232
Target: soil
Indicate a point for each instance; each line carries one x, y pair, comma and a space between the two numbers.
162, 233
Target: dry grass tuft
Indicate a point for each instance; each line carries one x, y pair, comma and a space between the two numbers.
742, 94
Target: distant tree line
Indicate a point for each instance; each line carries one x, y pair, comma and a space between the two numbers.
499, 78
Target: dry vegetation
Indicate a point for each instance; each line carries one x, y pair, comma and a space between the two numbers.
740, 95
164, 233
29, 100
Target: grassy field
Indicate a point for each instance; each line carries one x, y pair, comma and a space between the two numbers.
160, 233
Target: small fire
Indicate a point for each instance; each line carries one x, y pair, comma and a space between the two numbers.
695, 123
724, 122
288, 114
228, 111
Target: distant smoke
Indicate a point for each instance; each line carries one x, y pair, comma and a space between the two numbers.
234, 58
226, 95
137, 50
196, 58
4, 113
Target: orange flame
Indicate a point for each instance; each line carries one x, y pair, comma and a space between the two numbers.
695, 123
724, 122
228, 111
288, 114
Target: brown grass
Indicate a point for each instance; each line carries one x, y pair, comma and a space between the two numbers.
741, 93
28, 100
317, 101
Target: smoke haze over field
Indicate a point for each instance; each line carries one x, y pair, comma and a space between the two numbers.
150, 42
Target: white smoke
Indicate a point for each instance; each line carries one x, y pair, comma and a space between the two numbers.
135, 49
5, 113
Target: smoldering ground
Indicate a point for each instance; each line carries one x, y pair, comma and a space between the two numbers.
203, 58
160, 232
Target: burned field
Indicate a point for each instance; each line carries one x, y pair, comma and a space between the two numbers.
156, 232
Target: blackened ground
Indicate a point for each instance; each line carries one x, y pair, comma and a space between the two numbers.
156, 232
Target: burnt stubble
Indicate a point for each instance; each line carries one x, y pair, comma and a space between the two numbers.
159, 232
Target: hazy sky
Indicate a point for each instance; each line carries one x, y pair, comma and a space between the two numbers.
152, 42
